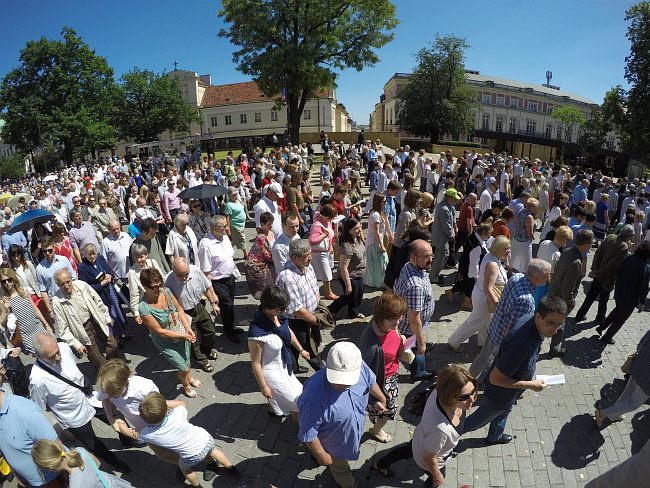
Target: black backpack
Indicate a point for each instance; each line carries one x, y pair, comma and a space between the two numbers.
419, 400
16, 376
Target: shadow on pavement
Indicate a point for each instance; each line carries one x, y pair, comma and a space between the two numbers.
578, 443
640, 430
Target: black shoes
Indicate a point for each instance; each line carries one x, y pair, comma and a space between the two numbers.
557, 353
300, 370
504, 439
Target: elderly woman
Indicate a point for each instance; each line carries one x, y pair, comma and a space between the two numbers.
441, 426
169, 327
491, 279
321, 240
95, 271
381, 346
269, 340
199, 220
522, 236
259, 268
549, 251
352, 267
602, 217
29, 320
141, 261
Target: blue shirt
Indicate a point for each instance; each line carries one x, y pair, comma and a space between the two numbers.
517, 359
335, 417
516, 301
579, 194
22, 424
45, 273
374, 180
134, 230
391, 211
15, 238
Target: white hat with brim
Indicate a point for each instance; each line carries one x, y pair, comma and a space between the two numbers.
275, 187
344, 364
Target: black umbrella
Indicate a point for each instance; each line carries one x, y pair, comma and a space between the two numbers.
203, 191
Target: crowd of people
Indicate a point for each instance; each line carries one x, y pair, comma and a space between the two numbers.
121, 248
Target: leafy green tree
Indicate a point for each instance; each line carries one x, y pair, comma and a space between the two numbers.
637, 74
571, 118
58, 87
594, 133
296, 47
13, 166
436, 100
148, 104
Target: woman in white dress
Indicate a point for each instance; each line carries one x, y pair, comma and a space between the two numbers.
491, 273
269, 339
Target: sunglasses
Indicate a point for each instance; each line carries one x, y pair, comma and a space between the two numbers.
7, 280
464, 398
48, 251
157, 286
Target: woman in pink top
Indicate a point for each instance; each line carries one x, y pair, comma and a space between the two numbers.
321, 240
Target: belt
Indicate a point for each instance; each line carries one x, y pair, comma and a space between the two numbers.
193, 312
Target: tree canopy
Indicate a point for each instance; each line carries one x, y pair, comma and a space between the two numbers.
59, 95
296, 47
436, 100
147, 104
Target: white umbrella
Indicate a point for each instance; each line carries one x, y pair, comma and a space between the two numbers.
50, 178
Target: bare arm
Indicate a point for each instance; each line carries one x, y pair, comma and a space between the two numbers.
415, 323
489, 279
530, 227
153, 325
304, 314
344, 261
255, 350
497, 378
321, 455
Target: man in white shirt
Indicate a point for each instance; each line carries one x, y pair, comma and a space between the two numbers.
56, 382
216, 261
485, 203
181, 241
115, 249
280, 249
268, 203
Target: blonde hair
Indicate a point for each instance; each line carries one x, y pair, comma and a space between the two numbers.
10, 273
426, 199
48, 454
153, 408
112, 377
451, 381
590, 206
499, 244
564, 233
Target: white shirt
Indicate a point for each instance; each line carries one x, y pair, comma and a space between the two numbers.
177, 244
280, 251
129, 404
68, 404
116, 253
177, 434
216, 256
266, 205
549, 252
485, 202
503, 184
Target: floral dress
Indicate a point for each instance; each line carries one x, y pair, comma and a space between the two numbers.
259, 268
64, 248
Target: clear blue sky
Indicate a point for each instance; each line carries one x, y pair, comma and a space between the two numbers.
582, 42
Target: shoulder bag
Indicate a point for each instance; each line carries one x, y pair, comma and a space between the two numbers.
497, 290
86, 390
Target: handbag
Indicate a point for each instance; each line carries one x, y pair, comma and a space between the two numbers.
324, 245
174, 318
497, 290
627, 365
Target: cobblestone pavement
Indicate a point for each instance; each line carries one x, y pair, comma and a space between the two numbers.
556, 440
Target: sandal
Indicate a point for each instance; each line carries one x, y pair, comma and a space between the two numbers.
195, 383
189, 392
385, 472
384, 439
208, 368
213, 355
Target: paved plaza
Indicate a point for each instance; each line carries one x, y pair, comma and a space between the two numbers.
556, 441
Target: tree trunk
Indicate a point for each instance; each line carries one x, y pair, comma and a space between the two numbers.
293, 118
67, 152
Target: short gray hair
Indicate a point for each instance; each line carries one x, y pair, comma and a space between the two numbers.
89, 249
138, 250
217, 220
626, 232
40, 339
538, 268
299, 247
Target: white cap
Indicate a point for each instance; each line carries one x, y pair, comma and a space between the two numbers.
276, 188
344, 364
141, 213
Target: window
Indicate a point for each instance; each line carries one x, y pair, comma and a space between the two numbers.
558, 133
274, 115
569, 136
307, 114
501, 100
258, 117
485, 122
242, 118
228, 119
530, 127
611, 142
514, 102
499, 123
549, 131
512, 125
549, 108
487, 98
213, 121
532, 106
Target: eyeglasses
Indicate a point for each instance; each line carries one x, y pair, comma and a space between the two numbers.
464, 398
157, 286
7, 280
48, 251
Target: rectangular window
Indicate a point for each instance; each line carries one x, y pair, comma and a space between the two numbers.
549, 108
549, 131
228, 119
213, 121
307, 114
558, 134
532, 106
487, 98
242, 118
258, 117
611, 143
530, 127
274, 115
569, 136
499, 123
501, 100
514, 102
512, 125
485, 122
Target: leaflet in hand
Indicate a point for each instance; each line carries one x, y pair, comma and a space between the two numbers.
409, 343
556, 379
338, 219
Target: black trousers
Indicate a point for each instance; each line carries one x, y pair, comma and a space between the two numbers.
595, 291
616, 319
89, 439
225, 290
401, 452
203, 327
302, 331
461, 237
391, 273
353, 300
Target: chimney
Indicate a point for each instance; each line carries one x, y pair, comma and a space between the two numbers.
207, 79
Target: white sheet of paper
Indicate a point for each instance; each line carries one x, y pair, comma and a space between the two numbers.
556, 379
409, 343
338, 219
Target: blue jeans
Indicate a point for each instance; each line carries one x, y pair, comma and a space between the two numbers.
486, 413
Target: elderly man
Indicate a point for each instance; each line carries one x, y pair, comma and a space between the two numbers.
517, 300
413, 285
332, 410
115, 249
443, 231
170, 203
513, 370
82, 320
61, 211
269, 203
102, 216
55, 382
189, 285
299, 280
567, 276
215, 257
181, 241
280, 249
22, 424
81, 234
45, 270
